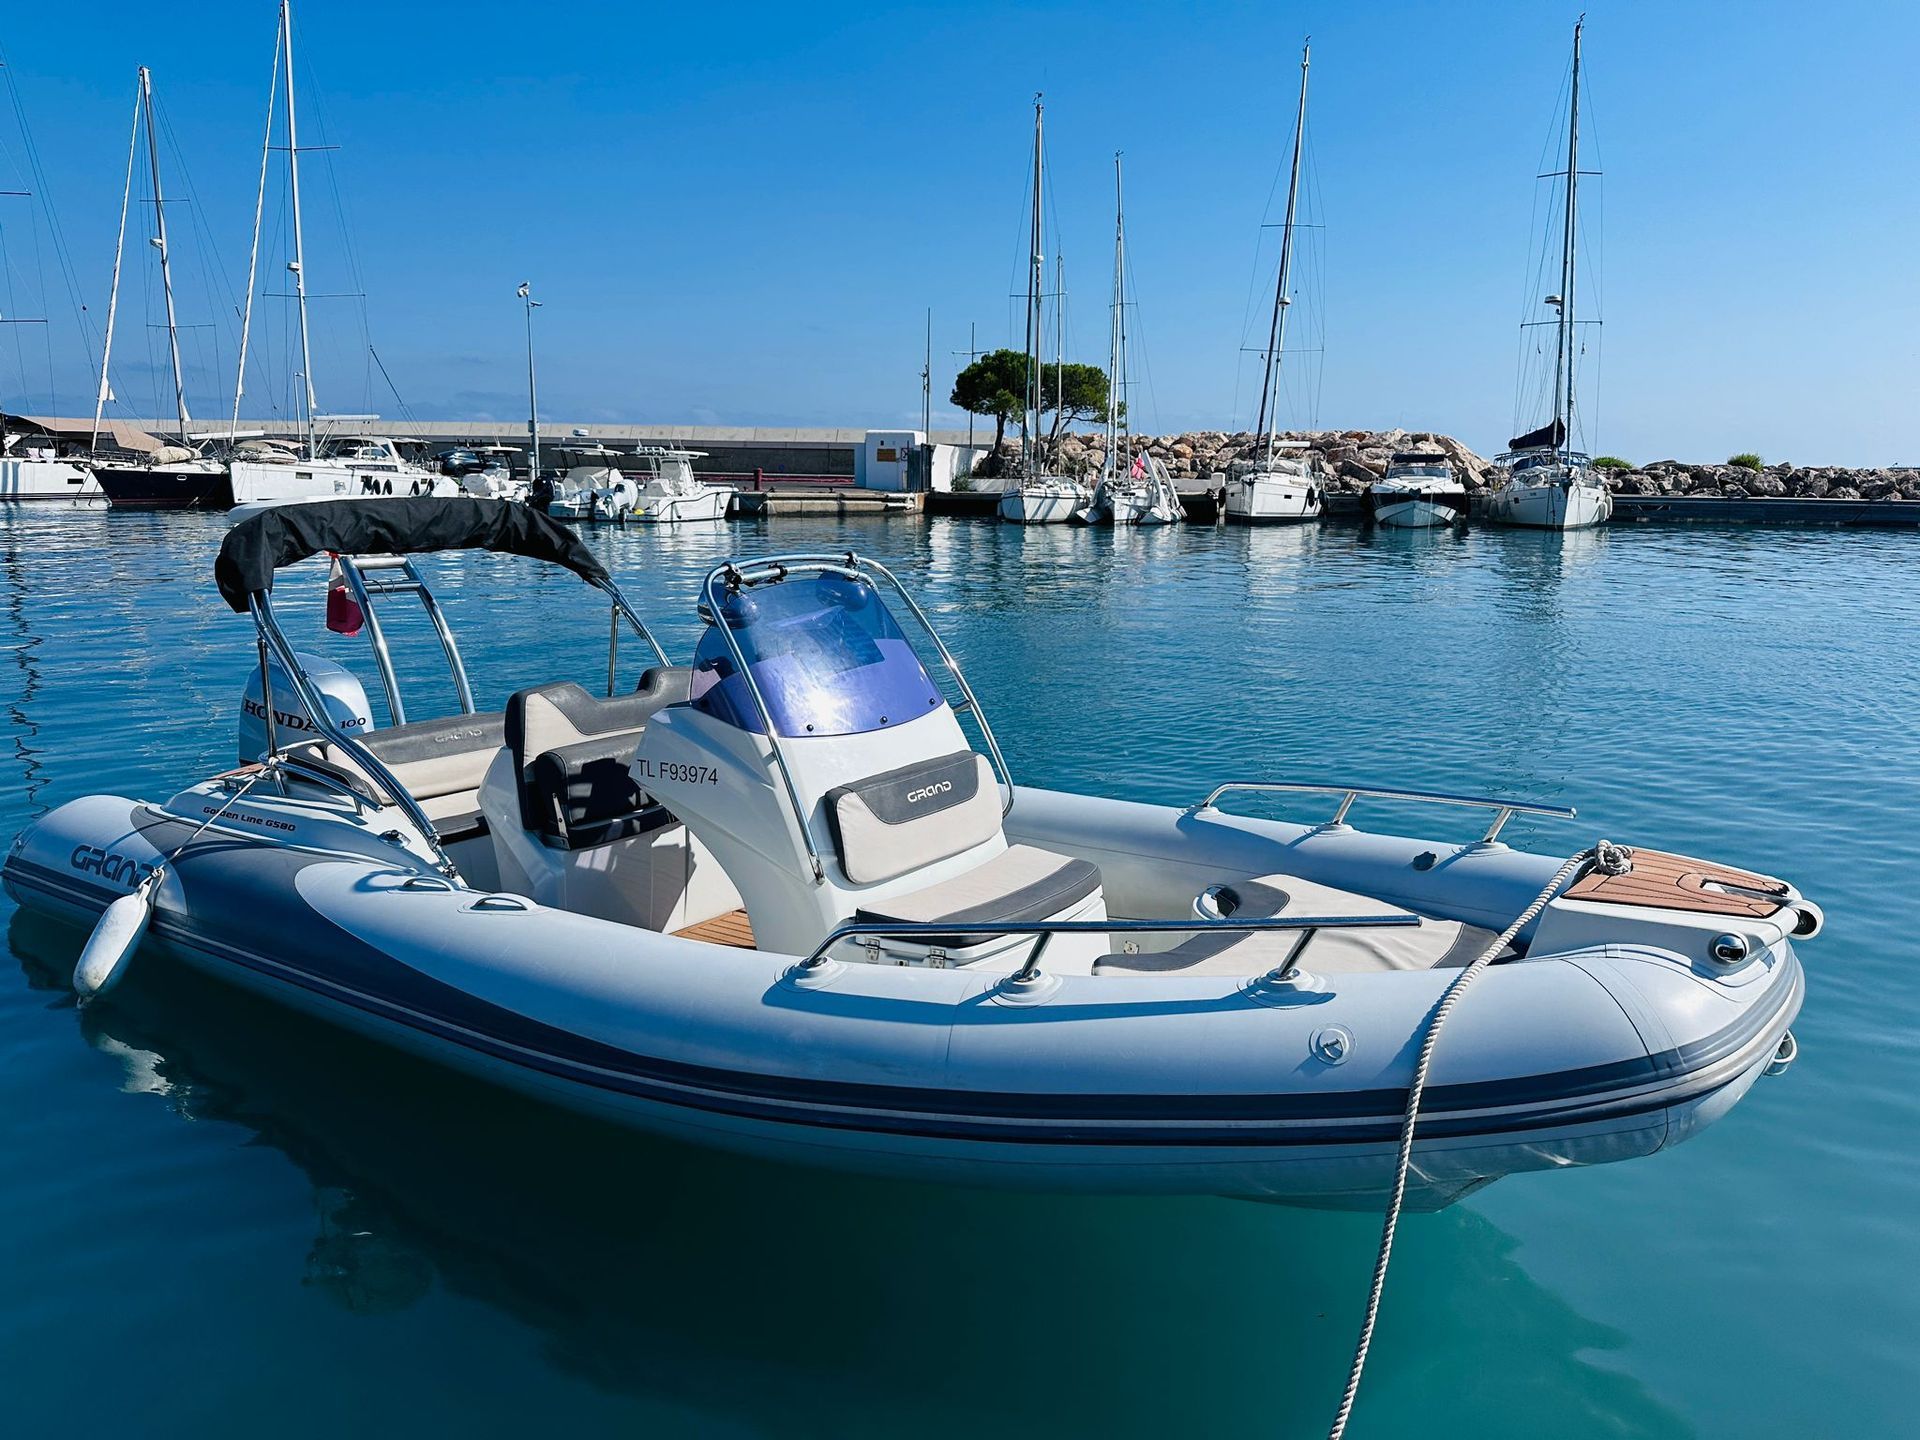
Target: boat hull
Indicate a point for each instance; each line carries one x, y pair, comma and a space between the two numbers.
1555, 505
1271, 500
682, 509
1042, 505
1426, 510
49, 482
1171, 1085
131, 487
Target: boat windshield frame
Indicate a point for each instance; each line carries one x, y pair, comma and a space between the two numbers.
737, 575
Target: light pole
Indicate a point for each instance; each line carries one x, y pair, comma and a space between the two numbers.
533, 392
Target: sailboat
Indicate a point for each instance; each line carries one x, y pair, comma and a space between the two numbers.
1038, 498
1278, 489
1133, 490
270, 474
32, 469
1548, 485
175, 474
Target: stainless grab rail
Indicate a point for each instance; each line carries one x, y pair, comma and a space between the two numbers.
779, 567
1506, 809
1046, 929
322, 720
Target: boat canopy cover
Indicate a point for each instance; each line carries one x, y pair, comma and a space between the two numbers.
288, 534
1553, 434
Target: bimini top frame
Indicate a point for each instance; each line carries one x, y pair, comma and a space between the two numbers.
372, 539
739, 575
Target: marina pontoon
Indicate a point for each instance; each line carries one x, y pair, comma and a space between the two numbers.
785, 898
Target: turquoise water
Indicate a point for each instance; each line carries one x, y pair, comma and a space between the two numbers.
216, 1219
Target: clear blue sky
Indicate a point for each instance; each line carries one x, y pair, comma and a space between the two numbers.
737, 214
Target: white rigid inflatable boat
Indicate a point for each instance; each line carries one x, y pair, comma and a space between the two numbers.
777, 901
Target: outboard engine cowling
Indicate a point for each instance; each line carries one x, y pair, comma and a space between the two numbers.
339, 687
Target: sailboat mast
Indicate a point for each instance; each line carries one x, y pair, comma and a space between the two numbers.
298, 266
166, 266
113, 294
1563, 381
253, 255
1277, 335
1036, 259
1059, 337
1117, 342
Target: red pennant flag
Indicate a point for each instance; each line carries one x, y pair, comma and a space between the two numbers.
343, 611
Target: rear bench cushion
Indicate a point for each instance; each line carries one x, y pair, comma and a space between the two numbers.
894, 823
439, 762
1020, 883
435, 758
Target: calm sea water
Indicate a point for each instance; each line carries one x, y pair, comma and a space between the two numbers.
216, 1219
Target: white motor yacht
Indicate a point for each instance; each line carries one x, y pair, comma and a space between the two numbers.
592, 487
494, 480
1418, 492
671, 494
786, 899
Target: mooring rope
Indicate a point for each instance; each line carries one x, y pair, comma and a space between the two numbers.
1605, 856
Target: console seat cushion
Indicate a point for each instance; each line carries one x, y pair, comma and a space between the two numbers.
584, 795
1431, 945
545, 717
896, 822
1020, 883
562, 739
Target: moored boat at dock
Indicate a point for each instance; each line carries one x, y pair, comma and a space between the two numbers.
780, 900
1419, 491
1544, 485
1277, 489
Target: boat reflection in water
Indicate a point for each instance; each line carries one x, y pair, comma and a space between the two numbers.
660, 1274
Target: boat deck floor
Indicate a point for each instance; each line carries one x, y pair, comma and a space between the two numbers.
731, 928
1674, 882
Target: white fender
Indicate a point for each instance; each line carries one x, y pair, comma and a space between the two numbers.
115, 937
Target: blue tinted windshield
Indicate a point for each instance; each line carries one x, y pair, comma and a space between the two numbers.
825, 653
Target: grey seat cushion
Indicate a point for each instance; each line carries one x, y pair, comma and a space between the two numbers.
559, 720
1433, 944
585, 795
1020, 883
894, 823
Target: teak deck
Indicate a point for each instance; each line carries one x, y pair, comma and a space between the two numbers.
1674, 882
728, 929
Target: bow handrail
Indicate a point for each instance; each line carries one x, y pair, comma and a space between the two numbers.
1505, 809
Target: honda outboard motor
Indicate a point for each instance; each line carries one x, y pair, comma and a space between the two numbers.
340, 690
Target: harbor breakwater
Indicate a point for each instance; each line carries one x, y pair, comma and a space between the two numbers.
1352, 459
